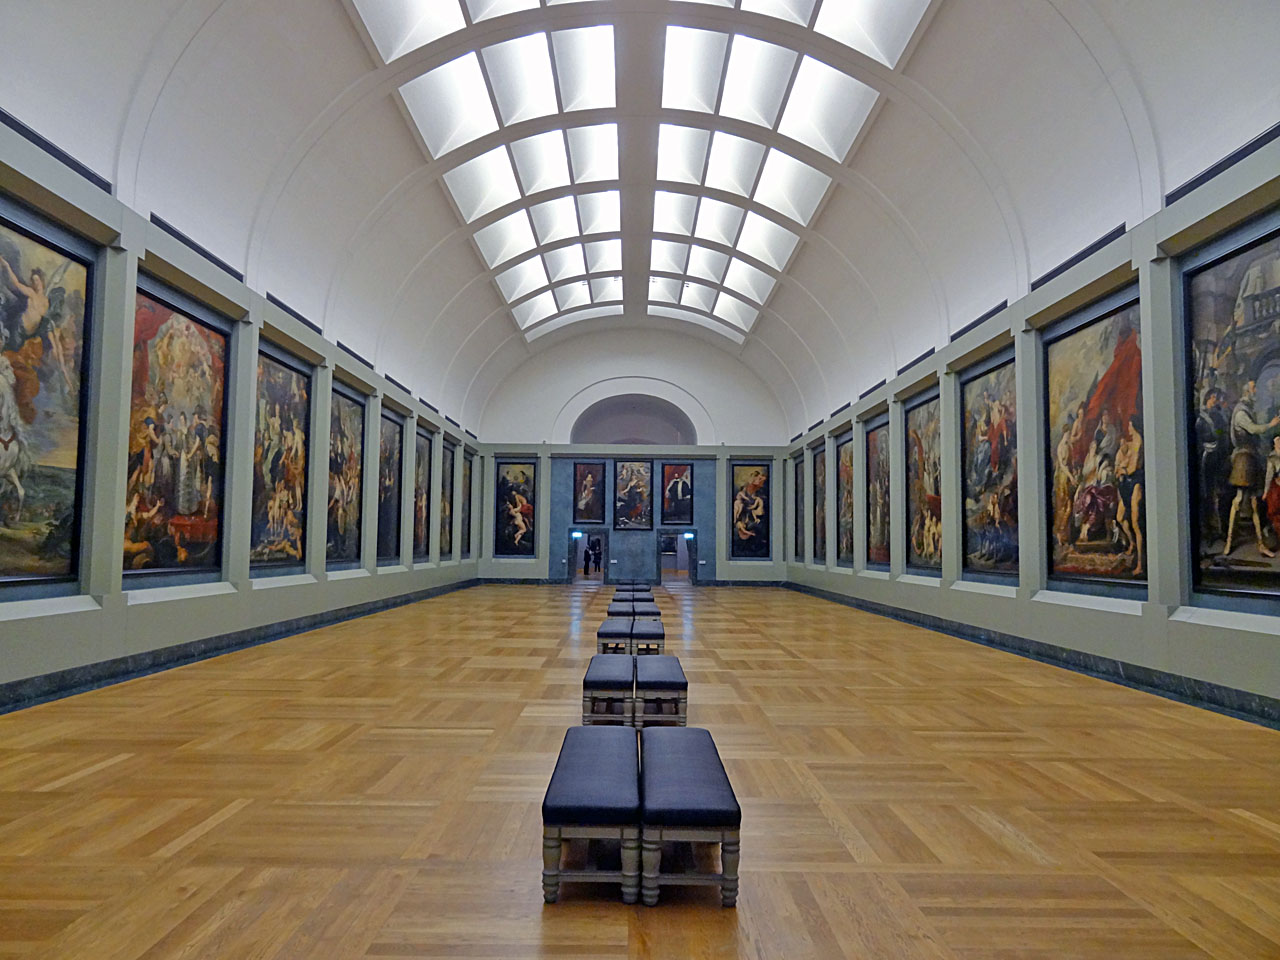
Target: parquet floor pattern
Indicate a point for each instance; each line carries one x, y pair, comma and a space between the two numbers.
372, 789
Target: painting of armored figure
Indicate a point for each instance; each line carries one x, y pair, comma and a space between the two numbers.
391, 441
173, 493
1096, 456
844, 501
1233, 332
346, 483
878, 502
279, 514
43, 344
924, 485
749, 532
989, 461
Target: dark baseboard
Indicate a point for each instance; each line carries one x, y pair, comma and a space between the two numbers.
740, 583
20, 694
1241, 704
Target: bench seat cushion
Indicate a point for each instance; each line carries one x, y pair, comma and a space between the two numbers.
684, 783
631, 583
647, 630
662, 672
646, 610
610, 671
633, 596
615, 628
621, 609
595, 782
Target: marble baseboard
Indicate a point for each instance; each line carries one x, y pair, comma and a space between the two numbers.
1241, 704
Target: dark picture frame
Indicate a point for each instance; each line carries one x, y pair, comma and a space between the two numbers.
464, 504
448, 464
989, 531
820, 505
515, 509
845, 546
588, 504
344, 546
633, 494
677, 511
423, 441
922, 439
876, 443
390, 482
797, 495
292, 548
750, 510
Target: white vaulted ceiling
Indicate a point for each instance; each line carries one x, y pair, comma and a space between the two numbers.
816, 190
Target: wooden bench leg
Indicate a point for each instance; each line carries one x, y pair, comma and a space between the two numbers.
651, 856
550, 864
631, 867
587, 709
729, 867
682, 710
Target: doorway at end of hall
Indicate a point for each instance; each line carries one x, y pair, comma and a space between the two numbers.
589, 556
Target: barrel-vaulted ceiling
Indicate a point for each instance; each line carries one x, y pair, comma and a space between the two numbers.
759, 207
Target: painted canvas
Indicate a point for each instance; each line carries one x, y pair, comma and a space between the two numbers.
677, 493
588, 492
797, 493
279, 513
879, 550
820, 506
346, 479
990, 463
1233, 318
447, 459
43, 344
514, 518
421, 496
390, 444
633, 495
749, 535
173, 495
468, 465
1094, 430
844, 501
924, 485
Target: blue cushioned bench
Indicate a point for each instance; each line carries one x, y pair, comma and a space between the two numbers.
660, 683
686, 797
593, 795
632, 596
614, 636
638, 584
650, 609
608, 683
647, 636
621, 608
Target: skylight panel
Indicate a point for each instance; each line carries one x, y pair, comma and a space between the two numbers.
792, 188
484, 9
667, 256
718, 221
600, 212
450, 105
577, 316
565, 262
604, 289
505, 238
594, 152
699, 296
747, 280
584, 64
691, 69
524, 277
482, 184
534, 309
682, 153
766, 241
520, 74
570, 295
673, 212
733, 163
541, 162
554, 220
399, 26
756, 80
797, 11
856, 24
826, 109
664, 289
707, 264
733, 310
604, 255
676, 313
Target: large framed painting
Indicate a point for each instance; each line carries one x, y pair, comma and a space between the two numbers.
588, 492
346, 477
820, 506
390, 445
278, 518
1095, 456
797, 494
421, 495
177, 408
1232, 312
677, 493
989, 461
844, 500
515, 522
468, 471
633, 495
750, 530
448, 457
924, 482
45, 296
879, 496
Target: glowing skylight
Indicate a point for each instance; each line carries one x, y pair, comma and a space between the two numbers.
682, 153
565, 262
534, 309
399, 26
826, 109
450, 105
604, 255
666, 256
506, 238
745, 279
797, 11
733, 163
756, 80
691, 69
555, 220
570, 295
523, 278
699, 296
600, 212
584, 64
766, 241
707, 264
792, 188
593, 152
483, 184
664, 288
520, 74
673, 212
732, 309
606, 288
484, 9
541, 162
718, 221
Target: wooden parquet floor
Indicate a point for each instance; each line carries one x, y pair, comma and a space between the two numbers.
372, 789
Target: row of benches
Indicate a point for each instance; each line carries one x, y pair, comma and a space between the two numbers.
625, 688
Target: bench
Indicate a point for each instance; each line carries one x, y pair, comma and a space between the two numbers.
647, 636
643, 609
638, 584
687, 797
614, 636
632, 596
621, 608
660, 683
593, 795
608, 683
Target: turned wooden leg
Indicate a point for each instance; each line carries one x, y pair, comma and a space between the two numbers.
729, 864
682, 710
550, 864
631, 868
651, 857
586, 710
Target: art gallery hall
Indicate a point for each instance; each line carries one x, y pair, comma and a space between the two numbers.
640, 479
